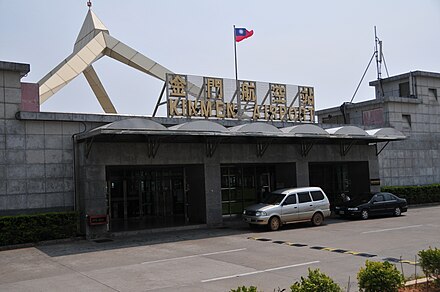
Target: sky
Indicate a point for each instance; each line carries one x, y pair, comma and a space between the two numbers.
321, 43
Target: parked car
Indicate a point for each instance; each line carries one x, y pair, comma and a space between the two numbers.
371, 205
289, 205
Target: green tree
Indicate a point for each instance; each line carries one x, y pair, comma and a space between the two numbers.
316, 281
379, 277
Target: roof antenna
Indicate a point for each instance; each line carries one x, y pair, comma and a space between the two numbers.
379, 58
89, 4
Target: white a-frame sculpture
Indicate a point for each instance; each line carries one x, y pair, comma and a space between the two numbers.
93, 42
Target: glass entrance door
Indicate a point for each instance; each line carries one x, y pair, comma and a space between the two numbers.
245, 185
142, 198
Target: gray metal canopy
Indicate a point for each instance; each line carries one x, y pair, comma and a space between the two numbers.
349, 131
134, 124
305, 130
212, 134
257, 127
201, 126
205, 128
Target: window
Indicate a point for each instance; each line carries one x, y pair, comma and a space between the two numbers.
273, 199
379, 198
432, 92
290, 200
304, 197
406, 120
317, 195
404, 89
389, 197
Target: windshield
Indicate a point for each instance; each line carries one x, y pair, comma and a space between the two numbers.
363, 198
273, 199
353, 199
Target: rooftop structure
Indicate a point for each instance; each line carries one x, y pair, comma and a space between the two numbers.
94, 42
409, 103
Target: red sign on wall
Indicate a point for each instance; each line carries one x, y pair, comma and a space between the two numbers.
373, 117
97, 219
30, 98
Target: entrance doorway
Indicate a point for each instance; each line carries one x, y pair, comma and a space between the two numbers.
242, 186
351, 178
141, 198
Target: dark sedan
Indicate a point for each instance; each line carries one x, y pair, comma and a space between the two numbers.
377, 204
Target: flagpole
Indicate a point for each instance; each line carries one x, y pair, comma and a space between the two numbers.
237, 85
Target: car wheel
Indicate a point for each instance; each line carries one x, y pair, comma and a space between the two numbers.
365, 214
397, 212
274, 223
317, 219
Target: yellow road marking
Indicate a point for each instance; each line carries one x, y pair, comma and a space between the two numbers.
409, 262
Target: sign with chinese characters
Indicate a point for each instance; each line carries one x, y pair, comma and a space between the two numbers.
97, 219
210, 97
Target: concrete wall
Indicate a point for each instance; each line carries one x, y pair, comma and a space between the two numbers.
36, 150
416, 160
36, 164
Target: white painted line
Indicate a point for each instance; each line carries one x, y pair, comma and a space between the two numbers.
193, 256
390, 229
258, 272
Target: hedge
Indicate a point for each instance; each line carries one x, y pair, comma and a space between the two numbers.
416, 194
430, 263
38, 227
379, 277
316, 281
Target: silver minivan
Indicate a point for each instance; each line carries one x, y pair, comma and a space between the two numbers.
289, 205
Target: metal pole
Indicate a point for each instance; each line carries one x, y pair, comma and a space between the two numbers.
237, 85
378, 60
376, 41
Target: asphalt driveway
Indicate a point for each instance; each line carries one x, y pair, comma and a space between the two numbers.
223, 258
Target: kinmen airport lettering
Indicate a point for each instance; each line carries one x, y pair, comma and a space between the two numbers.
209, 97
219, 109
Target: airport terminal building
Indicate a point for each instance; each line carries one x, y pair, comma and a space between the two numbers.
222, 145
130, 173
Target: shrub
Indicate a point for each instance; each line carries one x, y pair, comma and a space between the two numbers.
37, 227
416, 194
316, 281
245, 289
430, 263
379, 277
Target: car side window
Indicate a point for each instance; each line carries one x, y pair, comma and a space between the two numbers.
290, 200
317, 195
304, 197
388, 197
379, 198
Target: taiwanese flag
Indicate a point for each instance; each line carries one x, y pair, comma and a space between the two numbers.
242, 33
